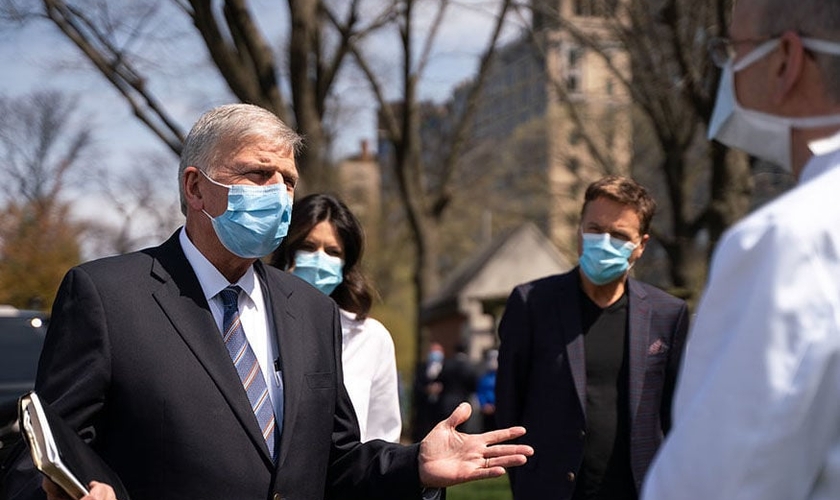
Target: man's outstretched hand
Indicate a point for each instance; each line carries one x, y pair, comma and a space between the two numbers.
449, 457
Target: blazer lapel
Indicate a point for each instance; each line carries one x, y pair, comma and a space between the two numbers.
638, 331
292, 358
568, 318
182, 299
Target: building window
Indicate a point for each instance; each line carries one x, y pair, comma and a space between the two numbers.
573, 83
575, 136
575, 56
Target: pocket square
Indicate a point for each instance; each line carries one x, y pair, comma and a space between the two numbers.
657, 347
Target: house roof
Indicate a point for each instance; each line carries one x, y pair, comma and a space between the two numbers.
516, 256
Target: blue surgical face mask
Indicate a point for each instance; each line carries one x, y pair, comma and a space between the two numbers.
605, 259
256, 220
320, 270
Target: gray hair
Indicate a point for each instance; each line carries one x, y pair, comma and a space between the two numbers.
221, 128
813, 19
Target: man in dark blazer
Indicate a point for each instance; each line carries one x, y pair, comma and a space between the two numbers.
135, 360
588, 359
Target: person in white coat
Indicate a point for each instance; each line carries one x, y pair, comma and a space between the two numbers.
324, 247
757, 412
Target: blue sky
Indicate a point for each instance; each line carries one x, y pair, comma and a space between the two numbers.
37, 57
34, 58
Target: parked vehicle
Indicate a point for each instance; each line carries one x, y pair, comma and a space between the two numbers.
21, 338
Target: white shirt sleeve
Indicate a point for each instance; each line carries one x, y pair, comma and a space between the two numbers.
757, 406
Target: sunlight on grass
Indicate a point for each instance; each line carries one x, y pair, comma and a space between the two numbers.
488, 489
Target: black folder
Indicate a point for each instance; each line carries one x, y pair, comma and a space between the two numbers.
60, 454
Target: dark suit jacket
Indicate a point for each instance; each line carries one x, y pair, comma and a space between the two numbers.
541, 381
134, 358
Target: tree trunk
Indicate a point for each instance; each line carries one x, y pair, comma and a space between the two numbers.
731, 188
302, 71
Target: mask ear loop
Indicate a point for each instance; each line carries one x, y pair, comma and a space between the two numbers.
213, 181
755, 55
821, 46
815, 44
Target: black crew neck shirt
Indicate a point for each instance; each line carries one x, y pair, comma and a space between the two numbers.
605, 473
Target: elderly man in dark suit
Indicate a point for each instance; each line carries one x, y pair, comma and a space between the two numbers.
200, 373
588, 359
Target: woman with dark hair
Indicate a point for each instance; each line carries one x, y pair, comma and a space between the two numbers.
324, 246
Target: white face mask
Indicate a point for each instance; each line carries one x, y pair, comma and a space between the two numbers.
760, 134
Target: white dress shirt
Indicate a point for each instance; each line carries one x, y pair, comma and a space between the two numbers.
757, 405
370, 376
253, 314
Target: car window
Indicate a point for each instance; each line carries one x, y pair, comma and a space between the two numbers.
21, 339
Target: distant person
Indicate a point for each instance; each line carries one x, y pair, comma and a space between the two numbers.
588, 359
458, 379
426, 402
757, 407
486, 390
324, 247
200, 373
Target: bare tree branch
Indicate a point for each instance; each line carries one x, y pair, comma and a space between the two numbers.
41, 144
428, 44
247, 65
256, 55
595, 150
464, 123
110, 63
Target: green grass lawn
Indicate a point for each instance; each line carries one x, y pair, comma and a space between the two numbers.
488, 489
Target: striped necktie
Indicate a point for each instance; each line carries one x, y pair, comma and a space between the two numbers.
246, 364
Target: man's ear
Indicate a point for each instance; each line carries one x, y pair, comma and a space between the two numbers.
192, 188
642, 244
789, 69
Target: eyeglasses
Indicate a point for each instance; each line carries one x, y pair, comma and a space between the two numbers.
722, 49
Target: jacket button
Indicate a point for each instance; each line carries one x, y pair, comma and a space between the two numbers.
582, 434
570, 476
277, 497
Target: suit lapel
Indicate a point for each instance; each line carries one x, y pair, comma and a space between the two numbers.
639, 329
182, 300
568, 318
292, 359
